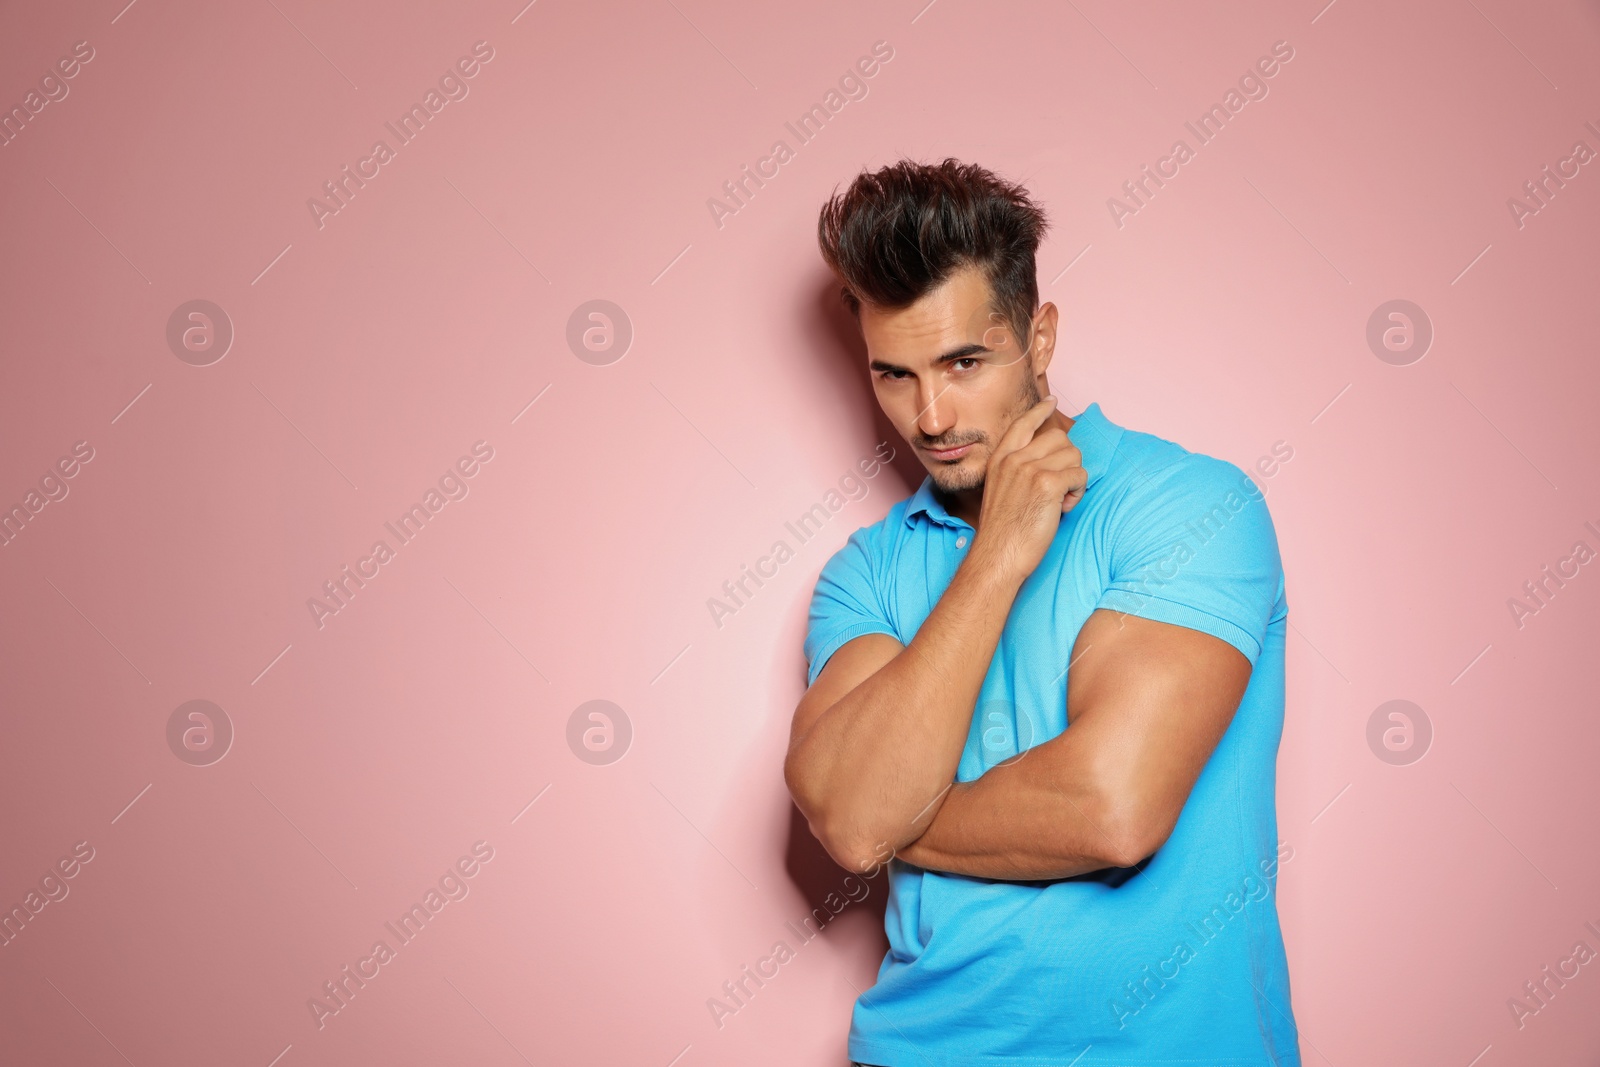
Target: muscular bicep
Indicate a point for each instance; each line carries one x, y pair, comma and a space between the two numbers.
1151, 700
856, 660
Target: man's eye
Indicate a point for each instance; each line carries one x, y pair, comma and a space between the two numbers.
967, 359
893, 375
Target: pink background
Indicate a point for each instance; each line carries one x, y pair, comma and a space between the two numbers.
372, 752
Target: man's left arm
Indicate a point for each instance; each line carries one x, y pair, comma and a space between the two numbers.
1149, 702
1157, 672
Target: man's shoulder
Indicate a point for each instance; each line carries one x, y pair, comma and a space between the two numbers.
1191, 518
1152, 471
875, 540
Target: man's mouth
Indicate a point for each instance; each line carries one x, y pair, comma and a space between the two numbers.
949, 453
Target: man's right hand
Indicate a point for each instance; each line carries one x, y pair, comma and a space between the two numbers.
1034, 476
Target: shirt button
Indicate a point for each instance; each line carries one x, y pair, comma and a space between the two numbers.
961, 542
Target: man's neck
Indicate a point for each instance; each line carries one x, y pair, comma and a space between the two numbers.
965, 506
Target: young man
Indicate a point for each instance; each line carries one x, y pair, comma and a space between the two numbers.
1046, 689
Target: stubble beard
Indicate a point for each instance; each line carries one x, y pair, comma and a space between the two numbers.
962, 479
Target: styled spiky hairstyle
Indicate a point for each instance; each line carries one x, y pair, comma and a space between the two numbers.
899, 231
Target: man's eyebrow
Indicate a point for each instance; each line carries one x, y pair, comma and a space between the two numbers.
954, 354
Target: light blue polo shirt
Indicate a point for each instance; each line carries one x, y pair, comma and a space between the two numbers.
1178, 962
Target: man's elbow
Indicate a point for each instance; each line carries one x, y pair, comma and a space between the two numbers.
1136, 845
1133, 827
807, 785
850, 850
854, 852
836, 831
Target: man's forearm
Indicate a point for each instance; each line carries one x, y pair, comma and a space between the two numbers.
1034, 819
876, 763
1148, 706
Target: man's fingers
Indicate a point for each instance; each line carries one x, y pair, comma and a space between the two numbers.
1021, 432
1046, 442
1069, 482
1065, 478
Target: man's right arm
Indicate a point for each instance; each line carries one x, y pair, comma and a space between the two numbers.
877, 738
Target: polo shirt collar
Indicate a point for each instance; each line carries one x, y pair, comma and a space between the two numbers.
1095, 435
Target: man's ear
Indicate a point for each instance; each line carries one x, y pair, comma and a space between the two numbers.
1044, 338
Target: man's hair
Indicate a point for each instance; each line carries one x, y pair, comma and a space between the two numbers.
900, 231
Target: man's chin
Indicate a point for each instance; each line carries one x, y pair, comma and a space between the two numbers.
956, 479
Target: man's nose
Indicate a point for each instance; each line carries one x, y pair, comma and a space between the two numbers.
935, 417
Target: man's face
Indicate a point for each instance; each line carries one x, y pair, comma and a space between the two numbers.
951, 375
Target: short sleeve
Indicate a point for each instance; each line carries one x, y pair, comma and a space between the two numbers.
845, 604
1193, 545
